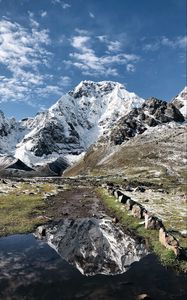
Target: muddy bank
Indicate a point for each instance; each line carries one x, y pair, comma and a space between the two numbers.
74, 203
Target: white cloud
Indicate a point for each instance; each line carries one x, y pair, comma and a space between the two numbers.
63, 4
102, 38
130, 68
43, 14
112, 46
64, 81
86, 59
178, 42
182, 41
81, 31
92, 16
79, 42
22, 52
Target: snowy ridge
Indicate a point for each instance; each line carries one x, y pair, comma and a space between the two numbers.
180, 101
76, 121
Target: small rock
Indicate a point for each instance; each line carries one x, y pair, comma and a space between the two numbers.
42, 231
123, 198
130, 203
169, 241
118, 193
4, 181
115, 220
137, 211
152, 222
140, 189
143, 297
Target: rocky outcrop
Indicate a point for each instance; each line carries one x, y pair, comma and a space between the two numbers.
10, 162
6, 125
77, 120
180, 101
152, 113
151, 222
169, 241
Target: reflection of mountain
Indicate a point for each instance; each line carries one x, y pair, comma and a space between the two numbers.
94, 246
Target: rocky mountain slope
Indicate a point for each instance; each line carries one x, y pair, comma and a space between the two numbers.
157, 156
93, 111
148, 144
180, 101
70, 126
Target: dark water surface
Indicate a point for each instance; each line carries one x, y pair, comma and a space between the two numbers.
30, 269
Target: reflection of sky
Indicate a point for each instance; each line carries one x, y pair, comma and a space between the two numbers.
24, 258
30, 269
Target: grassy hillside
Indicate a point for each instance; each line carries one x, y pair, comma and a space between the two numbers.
157, 156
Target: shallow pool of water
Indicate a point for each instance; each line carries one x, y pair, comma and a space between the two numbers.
30, 269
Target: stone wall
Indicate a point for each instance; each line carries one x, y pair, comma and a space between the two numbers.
150, 221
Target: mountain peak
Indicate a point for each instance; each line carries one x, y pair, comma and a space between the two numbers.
87, 88
180, 101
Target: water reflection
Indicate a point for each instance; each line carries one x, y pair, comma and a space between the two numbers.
93, 246
31, 270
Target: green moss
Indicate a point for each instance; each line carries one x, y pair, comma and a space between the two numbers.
166, 257
20, 212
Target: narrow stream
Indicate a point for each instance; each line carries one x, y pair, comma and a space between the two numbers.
30, 269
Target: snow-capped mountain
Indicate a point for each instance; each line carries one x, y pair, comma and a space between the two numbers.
180, 101
5, 125
11, 133
92, 111
76, 121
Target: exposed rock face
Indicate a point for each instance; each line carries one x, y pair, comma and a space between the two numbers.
6, 125
58, 166
180, 101
10, 162
152, 113
93, 246
78, 119
93, 110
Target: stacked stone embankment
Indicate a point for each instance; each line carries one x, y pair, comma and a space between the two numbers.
150, 220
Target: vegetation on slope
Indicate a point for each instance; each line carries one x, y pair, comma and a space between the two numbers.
22, 211
166, 257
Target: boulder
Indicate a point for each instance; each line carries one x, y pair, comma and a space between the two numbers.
41, 231
143, 297
118, 193
130, 203
137, 211
123, 198
169, 241
152, 222
140, 189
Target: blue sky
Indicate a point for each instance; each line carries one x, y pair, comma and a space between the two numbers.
48, 46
